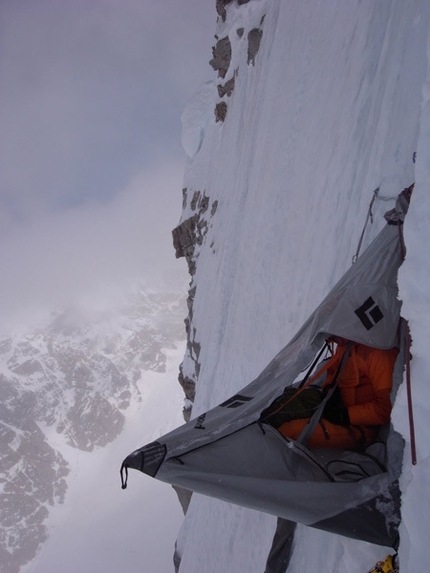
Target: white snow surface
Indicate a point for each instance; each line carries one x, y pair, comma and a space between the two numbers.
336, 104
196, 117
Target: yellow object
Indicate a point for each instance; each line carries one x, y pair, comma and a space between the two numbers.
387, 566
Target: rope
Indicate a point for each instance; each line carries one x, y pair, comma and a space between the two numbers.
409, 394
314, 363
369, 217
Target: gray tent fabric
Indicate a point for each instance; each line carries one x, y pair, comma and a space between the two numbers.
227, 453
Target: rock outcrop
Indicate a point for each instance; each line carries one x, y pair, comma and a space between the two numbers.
221, 4
224, 56
188, 237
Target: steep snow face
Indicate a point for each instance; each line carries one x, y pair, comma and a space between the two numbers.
328, 108
65, 388
414, 281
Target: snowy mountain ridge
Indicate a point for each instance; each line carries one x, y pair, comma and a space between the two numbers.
75, 378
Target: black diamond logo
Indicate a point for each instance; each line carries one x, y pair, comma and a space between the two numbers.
369, 313
235, 401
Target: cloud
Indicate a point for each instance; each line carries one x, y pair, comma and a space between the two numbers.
91, 91
90, 156
92, 253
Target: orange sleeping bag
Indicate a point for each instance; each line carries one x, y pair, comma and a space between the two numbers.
364, 383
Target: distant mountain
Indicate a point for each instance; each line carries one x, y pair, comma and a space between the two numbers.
76, 378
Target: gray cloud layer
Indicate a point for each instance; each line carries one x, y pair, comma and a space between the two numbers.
90, 254
91, 166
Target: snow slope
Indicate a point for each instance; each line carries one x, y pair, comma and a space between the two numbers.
336, 103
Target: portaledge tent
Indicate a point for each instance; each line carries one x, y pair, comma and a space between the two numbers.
227, 453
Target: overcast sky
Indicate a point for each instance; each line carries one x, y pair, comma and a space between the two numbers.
91, 164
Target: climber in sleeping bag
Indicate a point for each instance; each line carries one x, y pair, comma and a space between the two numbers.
359, 404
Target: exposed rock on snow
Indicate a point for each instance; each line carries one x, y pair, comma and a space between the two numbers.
227, 54
191, 232
221, 4
220, 111
188, 237
254, 40
227, 88
221, 56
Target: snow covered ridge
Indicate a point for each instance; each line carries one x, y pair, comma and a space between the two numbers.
71, 383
